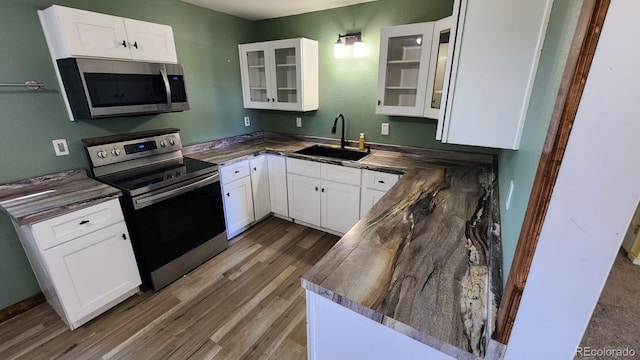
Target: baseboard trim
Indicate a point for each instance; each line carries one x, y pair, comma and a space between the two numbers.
20, 307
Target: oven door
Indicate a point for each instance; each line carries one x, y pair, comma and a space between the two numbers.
174, 230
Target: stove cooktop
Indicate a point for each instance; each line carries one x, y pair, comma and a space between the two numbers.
141, 180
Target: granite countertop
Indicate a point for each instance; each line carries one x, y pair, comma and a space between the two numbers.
427, 255
32, 200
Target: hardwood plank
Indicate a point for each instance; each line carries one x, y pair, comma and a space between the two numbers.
249, 297
581, 54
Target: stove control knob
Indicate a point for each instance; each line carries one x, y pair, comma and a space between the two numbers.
115, 152
163, 143
102, 154
172, 141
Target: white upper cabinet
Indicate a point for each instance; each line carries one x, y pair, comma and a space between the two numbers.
78, 33
437, 66
491, 75
280, 75
405, 54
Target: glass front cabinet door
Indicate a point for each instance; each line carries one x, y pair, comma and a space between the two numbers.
280, 75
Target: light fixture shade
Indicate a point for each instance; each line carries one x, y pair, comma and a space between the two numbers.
338, 50
358, 49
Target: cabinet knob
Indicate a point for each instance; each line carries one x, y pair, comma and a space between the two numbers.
273, 100
378, 102
255, 169
84, 222
228, 195
316, 188
322, 189
237, 171
268, 100
135, 44
380, 181
124, 43
124, 236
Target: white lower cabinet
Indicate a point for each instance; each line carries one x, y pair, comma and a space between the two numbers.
237, 197
83, 261
374, 185
260, 186
278, 184
304, 199
324, 195
340, 206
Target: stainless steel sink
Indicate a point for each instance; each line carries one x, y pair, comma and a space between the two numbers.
336, 153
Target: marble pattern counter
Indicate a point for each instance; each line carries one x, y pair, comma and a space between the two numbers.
40, 198
426, 259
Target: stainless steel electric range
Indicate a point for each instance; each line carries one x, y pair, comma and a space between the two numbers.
172, 203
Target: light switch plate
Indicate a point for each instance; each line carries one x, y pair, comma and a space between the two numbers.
247, 122
60, 147
384, 129
299, 122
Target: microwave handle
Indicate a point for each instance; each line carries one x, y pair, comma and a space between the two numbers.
167, 87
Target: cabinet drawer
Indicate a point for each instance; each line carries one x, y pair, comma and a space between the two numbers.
231, 172
61, 229
378, 180
303, 167
341, 174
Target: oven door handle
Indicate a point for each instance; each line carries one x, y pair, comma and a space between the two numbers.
153, 199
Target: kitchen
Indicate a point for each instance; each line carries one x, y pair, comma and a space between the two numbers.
215, 93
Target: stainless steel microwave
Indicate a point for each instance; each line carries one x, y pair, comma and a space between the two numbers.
109, 88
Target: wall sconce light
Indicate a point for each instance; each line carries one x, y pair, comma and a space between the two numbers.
354, 39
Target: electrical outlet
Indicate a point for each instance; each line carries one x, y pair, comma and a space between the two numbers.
60, 147
511, 187
299, 122
247, 122
384, 130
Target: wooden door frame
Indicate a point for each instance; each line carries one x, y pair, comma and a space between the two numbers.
583, 46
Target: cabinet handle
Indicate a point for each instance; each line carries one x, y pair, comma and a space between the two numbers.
237, 171
273, 100
322, 189
228, 195
124, 236
135, 44
124, 43
316, 188
84, 222
268, 100
380, 181
378, 102
254, 169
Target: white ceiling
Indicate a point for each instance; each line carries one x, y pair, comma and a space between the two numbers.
265, 9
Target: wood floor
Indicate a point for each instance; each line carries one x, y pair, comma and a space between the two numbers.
245, 303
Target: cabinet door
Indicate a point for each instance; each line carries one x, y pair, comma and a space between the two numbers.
255, 73
304, 198
437, 66
340, 206
492, 71
369, 198
260, 186
278, 184
286, 92
150, 42
93, 270
405, 52
238, 205
91, 34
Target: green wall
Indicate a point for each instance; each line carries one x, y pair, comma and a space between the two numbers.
207, 47
349, 85
521, 165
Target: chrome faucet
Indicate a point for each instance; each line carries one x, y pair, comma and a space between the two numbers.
343, 142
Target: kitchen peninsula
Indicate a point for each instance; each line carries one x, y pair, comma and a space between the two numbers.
425, 261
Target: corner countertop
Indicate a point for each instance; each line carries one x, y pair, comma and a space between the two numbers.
40, 198
426, 259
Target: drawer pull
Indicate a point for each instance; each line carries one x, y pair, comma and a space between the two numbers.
84, 222
124, 236
380, 181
